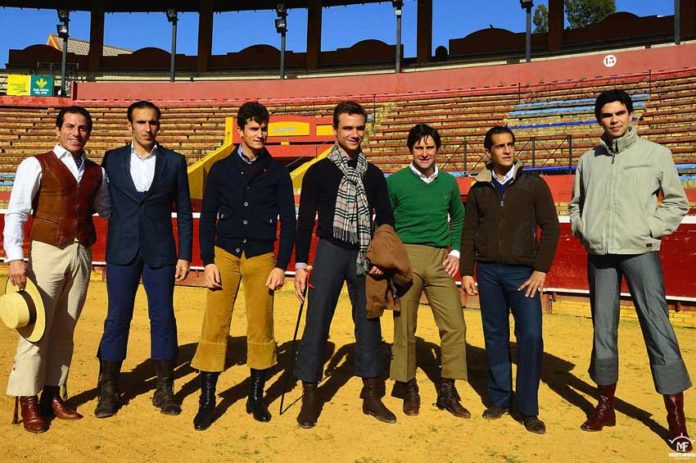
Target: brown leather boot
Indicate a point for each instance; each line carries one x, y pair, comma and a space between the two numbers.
408, 391
310, 406
372, 393
678, 438
603, 414
31, 415
52, 404
448, 399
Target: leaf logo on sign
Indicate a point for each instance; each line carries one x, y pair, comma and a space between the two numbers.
41, 83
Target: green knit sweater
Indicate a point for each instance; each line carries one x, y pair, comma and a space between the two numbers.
421, 209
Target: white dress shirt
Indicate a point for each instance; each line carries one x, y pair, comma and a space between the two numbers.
429, 180
26, 184
422, 176
142, 169
508, 176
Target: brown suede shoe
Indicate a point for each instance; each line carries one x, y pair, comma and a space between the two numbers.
372, 393
53, 404
678, 436
408, 391
448, 399
31, 416
603, 414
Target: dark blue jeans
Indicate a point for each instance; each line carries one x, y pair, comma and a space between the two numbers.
122, 283
498, 294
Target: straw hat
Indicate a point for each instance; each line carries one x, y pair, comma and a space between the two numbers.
23, 310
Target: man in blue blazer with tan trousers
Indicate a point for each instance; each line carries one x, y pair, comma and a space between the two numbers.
146, 181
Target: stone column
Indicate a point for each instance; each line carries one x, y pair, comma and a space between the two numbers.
313, 33
688, 18
205, 34
556, 22
425, 31
96, 36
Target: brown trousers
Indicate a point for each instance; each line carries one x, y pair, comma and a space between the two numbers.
429, 275
261, 346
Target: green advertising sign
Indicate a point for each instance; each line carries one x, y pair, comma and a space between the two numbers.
41, 86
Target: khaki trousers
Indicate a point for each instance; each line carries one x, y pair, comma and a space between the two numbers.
62, 276
261, 346
429, 275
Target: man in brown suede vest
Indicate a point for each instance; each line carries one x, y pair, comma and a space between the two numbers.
61, 189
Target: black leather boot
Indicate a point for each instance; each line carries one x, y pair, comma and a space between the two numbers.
206, 403
109, 398
164, 393
255, 404
310, 406
372, 393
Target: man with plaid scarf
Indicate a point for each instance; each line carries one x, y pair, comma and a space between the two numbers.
344, 190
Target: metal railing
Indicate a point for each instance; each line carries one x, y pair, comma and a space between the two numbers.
534, 153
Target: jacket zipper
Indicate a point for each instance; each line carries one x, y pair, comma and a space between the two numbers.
610, 224
500, 220
500, 228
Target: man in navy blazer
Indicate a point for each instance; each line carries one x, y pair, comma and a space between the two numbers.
145, 182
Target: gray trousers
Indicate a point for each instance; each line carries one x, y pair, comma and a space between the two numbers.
645, 281
332, 266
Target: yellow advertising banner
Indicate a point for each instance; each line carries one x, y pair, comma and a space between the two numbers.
325, 130
288, 129
18, 85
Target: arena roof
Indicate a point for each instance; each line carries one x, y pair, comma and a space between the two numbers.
179, 5
81, 47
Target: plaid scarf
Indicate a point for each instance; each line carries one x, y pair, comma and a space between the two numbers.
352, 214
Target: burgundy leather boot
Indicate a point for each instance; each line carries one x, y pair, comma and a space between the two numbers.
31, 414
52, 403
603, 414
678, 436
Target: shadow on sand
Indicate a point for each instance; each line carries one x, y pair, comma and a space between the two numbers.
556, 373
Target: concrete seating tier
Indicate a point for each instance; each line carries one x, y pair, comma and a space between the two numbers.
193, 131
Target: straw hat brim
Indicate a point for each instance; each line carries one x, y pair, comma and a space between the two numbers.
33, 332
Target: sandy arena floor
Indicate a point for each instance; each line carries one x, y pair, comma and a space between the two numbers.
343, 434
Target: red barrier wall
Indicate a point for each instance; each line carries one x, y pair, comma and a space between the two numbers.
671, 57
569, 271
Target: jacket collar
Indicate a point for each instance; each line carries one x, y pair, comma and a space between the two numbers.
264, 158
486, 175
620, 144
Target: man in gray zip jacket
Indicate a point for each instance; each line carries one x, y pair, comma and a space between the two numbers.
615, 213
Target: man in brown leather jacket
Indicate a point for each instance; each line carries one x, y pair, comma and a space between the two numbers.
505, 208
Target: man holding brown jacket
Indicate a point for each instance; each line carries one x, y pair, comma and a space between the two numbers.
505, 208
